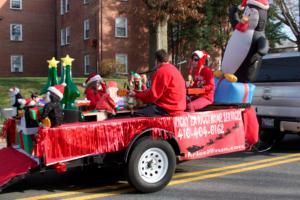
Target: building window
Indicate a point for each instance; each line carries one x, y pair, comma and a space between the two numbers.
68, 35
67, 6
16, 63
122, 63
86, 1
65, 35
16, 4
86, 29
62, 7
16, 32
87, 64
121, 27
62, 37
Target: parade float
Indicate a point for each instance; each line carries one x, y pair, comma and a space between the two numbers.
147, 147
39, 138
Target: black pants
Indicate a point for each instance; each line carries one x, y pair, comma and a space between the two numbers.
151, 110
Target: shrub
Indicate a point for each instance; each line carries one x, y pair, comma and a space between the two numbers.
109, 68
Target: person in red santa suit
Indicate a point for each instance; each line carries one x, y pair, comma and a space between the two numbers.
95, 89
167, 94
200, 76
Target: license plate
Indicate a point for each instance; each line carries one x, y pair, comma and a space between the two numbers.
267, 123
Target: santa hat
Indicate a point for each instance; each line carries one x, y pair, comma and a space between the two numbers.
263, 4
243, 5
136, 77
91, 78
27, 102
58, 90
202, 55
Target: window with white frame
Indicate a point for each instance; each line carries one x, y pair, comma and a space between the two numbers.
121, 27
87, 64
16, 32
62, 7
68, 35
122, 63
16, 63
67, 6
65, 35
16, 4
62, 37
86, 29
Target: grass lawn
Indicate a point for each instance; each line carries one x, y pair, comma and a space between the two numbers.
27, 85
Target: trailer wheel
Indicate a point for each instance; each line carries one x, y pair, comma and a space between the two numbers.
151, 165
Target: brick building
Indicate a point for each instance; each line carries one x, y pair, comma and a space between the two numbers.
91, 31
26, 37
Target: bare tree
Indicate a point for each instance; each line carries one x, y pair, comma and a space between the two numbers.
288, 12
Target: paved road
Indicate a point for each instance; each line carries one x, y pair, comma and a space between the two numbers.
269, 176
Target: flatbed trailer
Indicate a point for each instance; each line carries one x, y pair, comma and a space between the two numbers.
147, 147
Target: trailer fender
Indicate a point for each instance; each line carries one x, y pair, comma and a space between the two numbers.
147, 132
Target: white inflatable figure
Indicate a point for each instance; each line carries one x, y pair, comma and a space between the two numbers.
15, 95
248, 43
27, 102
112, 90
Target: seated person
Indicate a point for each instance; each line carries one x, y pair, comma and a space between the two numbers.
167, 94
95, 89
200, 76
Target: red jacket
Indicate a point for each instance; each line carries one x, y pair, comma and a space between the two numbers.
204, 78
167, 89
93, 96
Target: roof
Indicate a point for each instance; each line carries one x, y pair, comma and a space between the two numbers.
282, 55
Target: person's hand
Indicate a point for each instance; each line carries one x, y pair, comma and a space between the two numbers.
132, 93
142, 69
190, 108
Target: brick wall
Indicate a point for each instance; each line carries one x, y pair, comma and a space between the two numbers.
42, 23
38, 43
102, 32
136, 44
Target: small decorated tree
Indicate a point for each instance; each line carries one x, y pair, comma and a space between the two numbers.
52, 75
71, 90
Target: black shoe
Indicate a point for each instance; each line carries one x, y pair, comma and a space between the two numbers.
261, 146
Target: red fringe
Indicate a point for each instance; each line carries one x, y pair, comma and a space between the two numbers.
79, 139
9, 131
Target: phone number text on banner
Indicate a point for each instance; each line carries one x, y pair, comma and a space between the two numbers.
210, 133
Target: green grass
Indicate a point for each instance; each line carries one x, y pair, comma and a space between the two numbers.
27, 85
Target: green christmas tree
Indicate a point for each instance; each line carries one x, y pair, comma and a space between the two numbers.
52, 75
71, 91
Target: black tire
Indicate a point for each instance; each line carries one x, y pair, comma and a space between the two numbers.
279, 137
151, 165
271, 136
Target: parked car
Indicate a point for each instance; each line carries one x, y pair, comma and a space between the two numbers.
277, 96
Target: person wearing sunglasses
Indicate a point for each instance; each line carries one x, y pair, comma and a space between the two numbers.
200, 76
